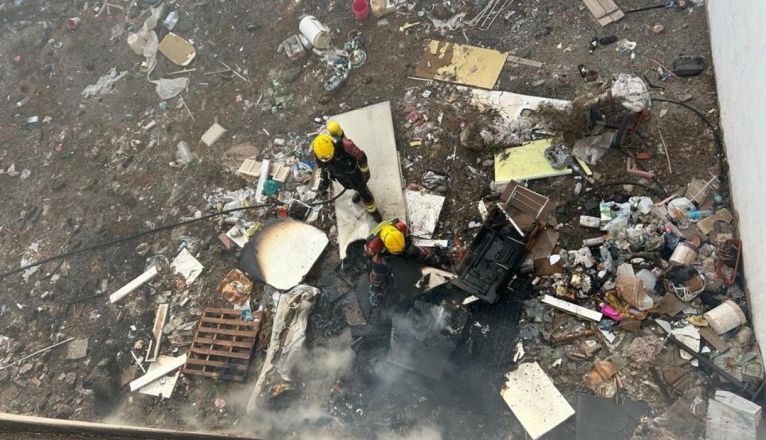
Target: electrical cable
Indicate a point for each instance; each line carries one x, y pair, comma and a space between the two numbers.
720, 152
150, 232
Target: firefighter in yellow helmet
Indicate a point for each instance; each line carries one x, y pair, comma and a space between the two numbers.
389, 238
341, 160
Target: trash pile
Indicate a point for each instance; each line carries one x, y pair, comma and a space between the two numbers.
648, 273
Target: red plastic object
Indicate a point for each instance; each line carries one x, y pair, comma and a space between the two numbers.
361, 9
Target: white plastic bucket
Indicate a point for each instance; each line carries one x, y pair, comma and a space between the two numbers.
725, 317
317, 33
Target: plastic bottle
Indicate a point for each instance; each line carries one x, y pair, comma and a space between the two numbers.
695, 214
184, 153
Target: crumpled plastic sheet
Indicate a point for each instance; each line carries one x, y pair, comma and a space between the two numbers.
288, 334
631, 91
170, 88
104, 84
592, 149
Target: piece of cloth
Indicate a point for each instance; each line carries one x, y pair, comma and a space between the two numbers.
376, 251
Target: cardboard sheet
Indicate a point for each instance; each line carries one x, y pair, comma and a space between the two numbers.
423, 211
372, 129
526, 162
178, 50
534, 400
461, 64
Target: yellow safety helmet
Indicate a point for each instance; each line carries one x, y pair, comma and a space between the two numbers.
334, 128
393, 239
324, 149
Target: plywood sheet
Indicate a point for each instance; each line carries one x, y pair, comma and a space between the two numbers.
282, 253
461, 64
162, 387
423, 211
534, 400
526, 162
372, 129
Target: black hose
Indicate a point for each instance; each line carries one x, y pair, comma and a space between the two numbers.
150, 232
720, 152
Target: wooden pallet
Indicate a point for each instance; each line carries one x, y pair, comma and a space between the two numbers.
223, 344
604, 11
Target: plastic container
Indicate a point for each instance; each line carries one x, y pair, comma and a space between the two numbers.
317, 33
171, 20
184, 153
361, 9
684, 254
725, 317
590, 222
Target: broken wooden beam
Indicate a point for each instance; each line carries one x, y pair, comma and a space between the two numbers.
135, 284
572, 308
604, 11
148, 378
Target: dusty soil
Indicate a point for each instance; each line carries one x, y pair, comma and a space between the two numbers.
96, 174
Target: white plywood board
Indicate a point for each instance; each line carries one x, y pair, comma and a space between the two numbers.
423, 211
534, 400
162, 387
286, 251
172, 364
372, 129
187, 266
574, 309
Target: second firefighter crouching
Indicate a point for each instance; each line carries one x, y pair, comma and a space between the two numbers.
389, 238
341, 160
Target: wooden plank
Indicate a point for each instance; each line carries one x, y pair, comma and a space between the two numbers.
518, 60
223, 331
223, 342
231, 322
595, 8
134, 284
193, 372
158, 373
572, 308
226, 354
211, 310
197, 361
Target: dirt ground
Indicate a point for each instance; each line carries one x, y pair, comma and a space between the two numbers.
96, 174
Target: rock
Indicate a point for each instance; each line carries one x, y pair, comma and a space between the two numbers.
62, 411
103, 362
26, 368
658, 29
34, 382
292, 74
686, 98
70, 378
470, 137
